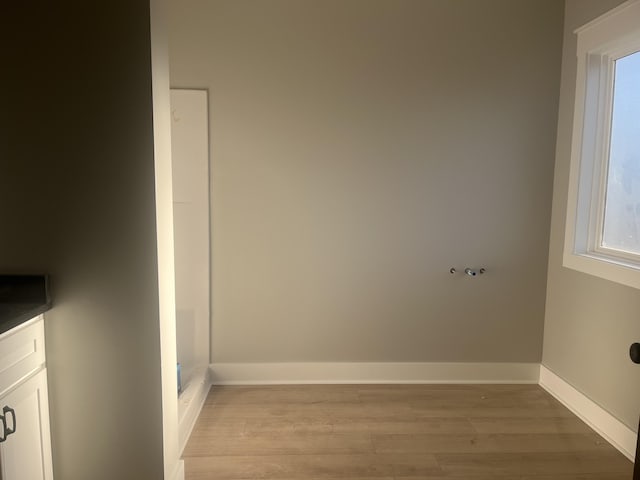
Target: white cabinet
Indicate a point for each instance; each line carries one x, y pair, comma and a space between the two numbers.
25, 453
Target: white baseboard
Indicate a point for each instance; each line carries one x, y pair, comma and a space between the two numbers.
609, 427
190, 404
371, 373
613, 430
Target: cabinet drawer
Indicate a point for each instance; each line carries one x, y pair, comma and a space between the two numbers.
21, 353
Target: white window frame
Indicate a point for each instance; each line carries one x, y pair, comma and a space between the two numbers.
601, 42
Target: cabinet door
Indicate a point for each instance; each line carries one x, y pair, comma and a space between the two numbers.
26, 454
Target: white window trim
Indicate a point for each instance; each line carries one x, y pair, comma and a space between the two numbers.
600, 42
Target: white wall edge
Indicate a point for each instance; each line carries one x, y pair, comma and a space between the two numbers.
178, 474
164, 233
372, 373
190, 404
613, 430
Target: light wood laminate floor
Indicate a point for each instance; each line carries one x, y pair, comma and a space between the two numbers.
395, 432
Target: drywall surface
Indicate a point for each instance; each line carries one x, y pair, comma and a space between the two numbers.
360, 149
77, 202
590, 322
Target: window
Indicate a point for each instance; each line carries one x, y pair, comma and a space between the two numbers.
621, 228
603, 213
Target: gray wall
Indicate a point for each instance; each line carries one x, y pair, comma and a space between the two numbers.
360, 149
77, 201
590, 322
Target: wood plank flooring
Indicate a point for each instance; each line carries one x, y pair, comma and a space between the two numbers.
395, 432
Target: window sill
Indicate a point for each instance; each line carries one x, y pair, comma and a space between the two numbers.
615, 270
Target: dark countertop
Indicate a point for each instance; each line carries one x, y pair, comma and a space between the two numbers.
22, 297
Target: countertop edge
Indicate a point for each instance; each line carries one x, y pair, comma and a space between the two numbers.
23, 317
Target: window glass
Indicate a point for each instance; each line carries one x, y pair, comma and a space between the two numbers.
621, 226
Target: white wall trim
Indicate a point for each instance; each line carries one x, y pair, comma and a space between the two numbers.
362, 373
164, 233
609, 427
178, 473
190, 404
